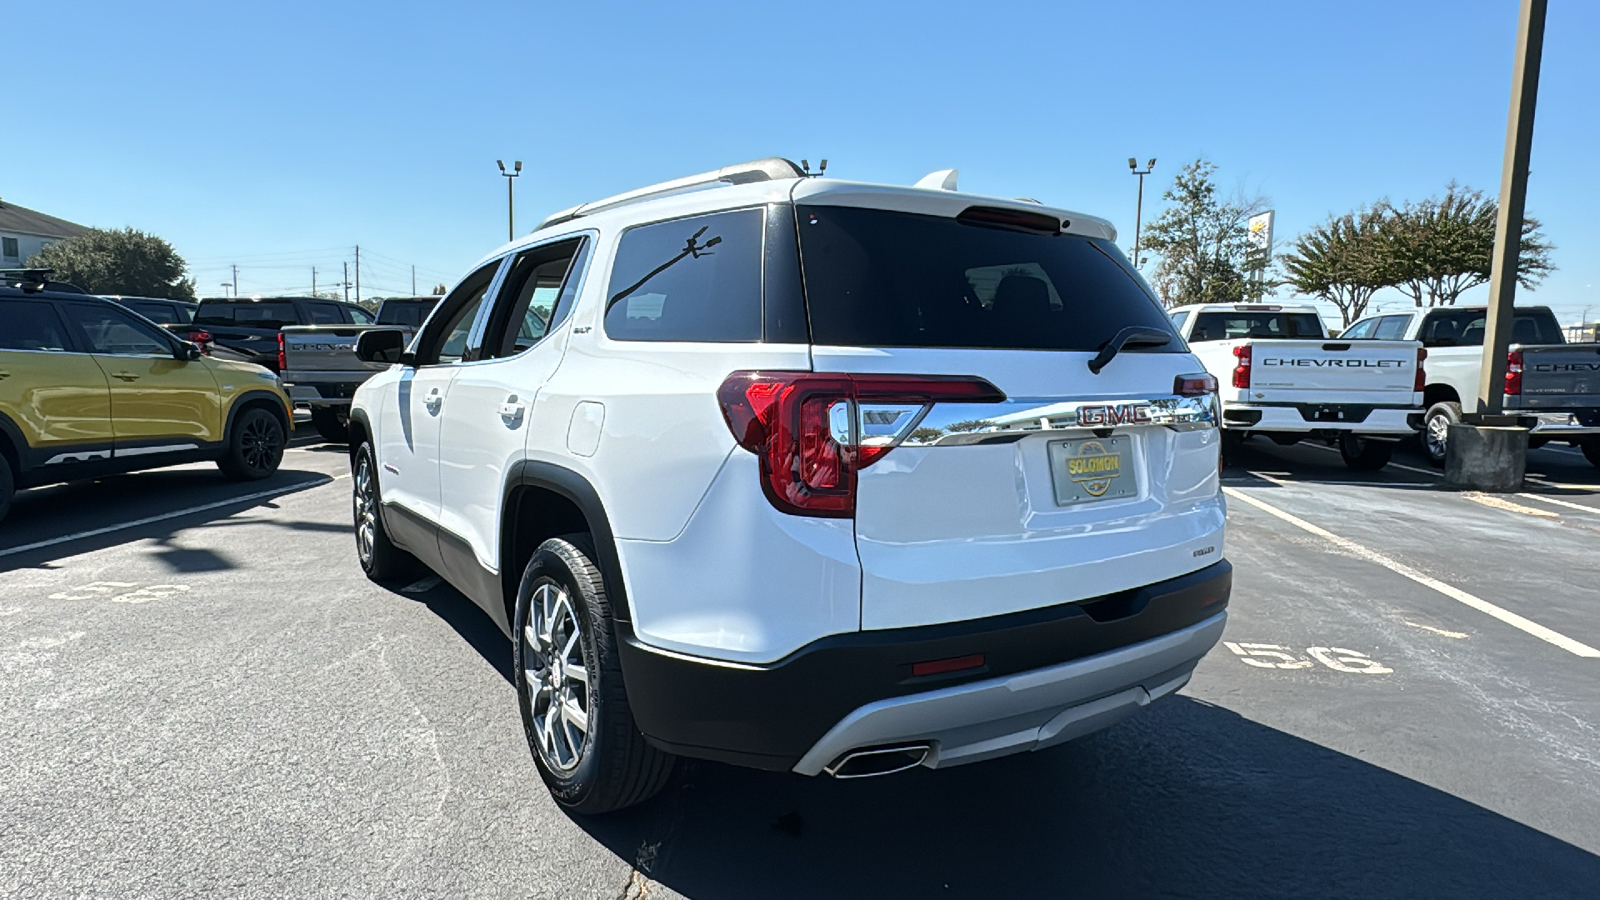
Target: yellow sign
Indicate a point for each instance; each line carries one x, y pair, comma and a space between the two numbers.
1094, 467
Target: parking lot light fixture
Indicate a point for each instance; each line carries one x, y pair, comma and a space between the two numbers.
1138, 209
511, 217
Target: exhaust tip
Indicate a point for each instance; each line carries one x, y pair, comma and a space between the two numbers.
879, 761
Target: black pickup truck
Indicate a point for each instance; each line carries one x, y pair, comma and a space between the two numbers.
249, 327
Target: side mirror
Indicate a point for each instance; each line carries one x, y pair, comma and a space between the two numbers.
382, 345
187, 351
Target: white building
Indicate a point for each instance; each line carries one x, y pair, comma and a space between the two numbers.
24, 232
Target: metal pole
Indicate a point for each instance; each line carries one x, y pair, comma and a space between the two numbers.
413, 281
358, 273
511, 208
347, 282
1138, 213
236, 281
313, 281
1513, 195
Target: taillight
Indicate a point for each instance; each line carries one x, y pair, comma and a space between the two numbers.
1421, 384
1194, 385
813, 431
1241, 368
283, 360
1514, 372
202, 339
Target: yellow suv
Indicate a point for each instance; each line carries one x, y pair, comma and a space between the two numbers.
88, 388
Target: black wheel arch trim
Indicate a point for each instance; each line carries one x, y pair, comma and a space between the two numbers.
21, 461
253, 398
576, 488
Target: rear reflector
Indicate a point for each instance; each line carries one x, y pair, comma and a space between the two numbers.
941, 666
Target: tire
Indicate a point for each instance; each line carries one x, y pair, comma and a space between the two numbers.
334, 428
1363, 454
563, 625
1286, 440
255, 445
1436, 431
1591, 452
1231, 442
380, 559
8, 485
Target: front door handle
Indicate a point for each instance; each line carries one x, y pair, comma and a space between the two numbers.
4, 375
432, 400
125, 376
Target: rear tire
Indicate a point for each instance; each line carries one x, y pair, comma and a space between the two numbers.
8, 485
1364, 454
562, 627
1436, 431
1591, 452
334, 428
1231, 442
255, 445
380, 559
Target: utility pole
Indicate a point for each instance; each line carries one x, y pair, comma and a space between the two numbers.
347, 282
236, 281
313, 281
358, 273
1138, 209
1513, 196
413, 281
511, 214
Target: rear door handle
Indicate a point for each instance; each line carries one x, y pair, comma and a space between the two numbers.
4, 375
511, 410
432, 400
125, 376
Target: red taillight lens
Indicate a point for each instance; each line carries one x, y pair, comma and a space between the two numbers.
1194, 385
806, 428
283, 361
1241, 368
1514, 372
1422, 373
202, 339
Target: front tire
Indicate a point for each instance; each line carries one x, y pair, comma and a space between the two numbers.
380, 559
1436, 431
255, 446
8, 485
575, 710
330, 424
1364, 454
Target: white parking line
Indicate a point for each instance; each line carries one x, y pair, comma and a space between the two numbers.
233, 501
1594, 511
1510, 618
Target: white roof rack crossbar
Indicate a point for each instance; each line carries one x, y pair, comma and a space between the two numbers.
772, 168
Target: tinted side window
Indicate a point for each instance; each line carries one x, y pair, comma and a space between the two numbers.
159, 313
694, 279
360, 316
1178, 319
323, 314
30, 326
1227, 326
1391, 328
112, 331
248, 313
446, 339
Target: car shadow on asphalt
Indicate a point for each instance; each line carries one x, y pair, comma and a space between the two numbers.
1187, 800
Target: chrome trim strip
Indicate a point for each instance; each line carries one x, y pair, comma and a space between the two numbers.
146, 451
959, 424
80, 456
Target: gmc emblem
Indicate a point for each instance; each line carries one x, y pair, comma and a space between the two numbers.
1115, 414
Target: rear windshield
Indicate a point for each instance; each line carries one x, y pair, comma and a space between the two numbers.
412, 314
1227, 326
877, 278
1467, 327
249, 313
159, 313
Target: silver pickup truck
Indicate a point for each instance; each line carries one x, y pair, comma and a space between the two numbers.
319, 365
1552, 387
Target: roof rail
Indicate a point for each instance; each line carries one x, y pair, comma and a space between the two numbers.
772, 168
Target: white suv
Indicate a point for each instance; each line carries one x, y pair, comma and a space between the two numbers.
806, 475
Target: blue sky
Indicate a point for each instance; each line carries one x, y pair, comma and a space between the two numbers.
279, 136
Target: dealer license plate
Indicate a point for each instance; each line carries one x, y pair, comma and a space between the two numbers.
1091, 469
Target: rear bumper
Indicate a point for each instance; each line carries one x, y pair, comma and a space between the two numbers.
308, 389
1066, 670
1309, 417
1562, 425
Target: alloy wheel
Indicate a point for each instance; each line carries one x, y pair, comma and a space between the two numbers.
1437, 436
261, 442
366, 501
557, 678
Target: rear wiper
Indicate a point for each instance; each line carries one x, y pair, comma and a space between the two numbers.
1132, 336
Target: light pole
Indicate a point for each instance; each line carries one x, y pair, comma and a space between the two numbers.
225, 286
1138, 209
511, 213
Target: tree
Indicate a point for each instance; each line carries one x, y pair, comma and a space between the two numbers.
1343, 261
111, 261
1437, 249
438, 290
1203, 241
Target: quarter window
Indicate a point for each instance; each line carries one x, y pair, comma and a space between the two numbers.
30, 326
447, 339
324, 314
693, 279
1391, 328
537, 287
1360, 331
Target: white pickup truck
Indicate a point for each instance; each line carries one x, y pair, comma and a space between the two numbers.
1553, 387
1280, 375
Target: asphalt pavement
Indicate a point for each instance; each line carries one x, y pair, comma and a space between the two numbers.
201, 696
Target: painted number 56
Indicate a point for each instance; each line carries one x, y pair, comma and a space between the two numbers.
1277, 656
